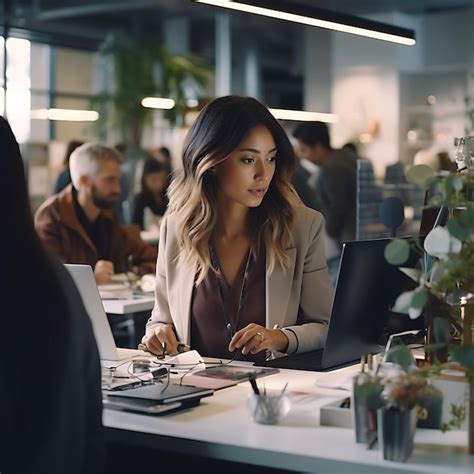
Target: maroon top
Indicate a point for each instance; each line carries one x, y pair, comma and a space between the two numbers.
209, 335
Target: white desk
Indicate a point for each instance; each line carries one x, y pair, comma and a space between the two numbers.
151, 237
220, 428
130, 305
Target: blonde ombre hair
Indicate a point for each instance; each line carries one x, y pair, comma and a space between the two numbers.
219, 129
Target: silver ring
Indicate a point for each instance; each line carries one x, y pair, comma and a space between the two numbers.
262, 337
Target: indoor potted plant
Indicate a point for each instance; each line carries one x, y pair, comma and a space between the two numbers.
445, 275
403, 392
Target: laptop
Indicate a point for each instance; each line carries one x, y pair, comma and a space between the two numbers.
157, 399
361, 318
84, 279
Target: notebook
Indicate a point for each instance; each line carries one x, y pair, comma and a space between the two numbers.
84, 279
156, 399
366, 289
162, 393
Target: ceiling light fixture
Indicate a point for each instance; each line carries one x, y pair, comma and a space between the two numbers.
300, 115
312, 16
68, 115
158, 103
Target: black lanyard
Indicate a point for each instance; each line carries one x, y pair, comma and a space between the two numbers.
216, 265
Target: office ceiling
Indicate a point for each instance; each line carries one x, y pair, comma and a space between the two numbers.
85, 24
91, 20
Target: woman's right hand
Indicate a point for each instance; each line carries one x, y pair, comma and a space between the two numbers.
162, 340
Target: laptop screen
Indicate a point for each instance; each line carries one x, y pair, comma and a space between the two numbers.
366, 289
84, 279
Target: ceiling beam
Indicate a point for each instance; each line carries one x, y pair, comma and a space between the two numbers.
110, 6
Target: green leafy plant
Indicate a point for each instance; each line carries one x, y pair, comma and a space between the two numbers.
458, 415
144, 68
445, 274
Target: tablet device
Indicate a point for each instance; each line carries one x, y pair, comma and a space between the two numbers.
163, 394
149, 407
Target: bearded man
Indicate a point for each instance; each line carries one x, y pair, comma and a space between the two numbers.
79, 224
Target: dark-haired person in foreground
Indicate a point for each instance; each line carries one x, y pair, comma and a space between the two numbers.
241, 264
50, 394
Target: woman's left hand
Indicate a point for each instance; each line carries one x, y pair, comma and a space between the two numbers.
254, 338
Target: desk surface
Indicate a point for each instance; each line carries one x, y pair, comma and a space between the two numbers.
129, 305
221, 428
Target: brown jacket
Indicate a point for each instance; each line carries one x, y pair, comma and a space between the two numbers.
60, 231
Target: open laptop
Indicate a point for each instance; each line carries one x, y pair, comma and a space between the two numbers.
361, 318
84, 279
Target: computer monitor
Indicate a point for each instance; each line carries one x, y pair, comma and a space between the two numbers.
366, 289
361, 316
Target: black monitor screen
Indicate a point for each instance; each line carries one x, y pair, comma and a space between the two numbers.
366, 290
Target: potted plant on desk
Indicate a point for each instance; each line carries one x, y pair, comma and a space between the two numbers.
445, 276
403, 392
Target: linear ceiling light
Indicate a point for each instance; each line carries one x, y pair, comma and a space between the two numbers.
283, 114
158, 103
69, 115
320, 18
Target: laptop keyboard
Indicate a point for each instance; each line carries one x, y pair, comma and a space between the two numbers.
305, 361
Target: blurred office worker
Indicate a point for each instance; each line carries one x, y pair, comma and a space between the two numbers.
79, 224
151, 199
241, 265
334, 180
50, 394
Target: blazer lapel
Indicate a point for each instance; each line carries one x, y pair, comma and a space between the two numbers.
184, 287
278, 288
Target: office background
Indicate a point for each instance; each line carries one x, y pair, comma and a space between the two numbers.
391, 100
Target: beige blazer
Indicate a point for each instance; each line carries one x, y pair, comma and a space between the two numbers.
298, 299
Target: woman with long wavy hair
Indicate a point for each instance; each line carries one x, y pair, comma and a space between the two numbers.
241, 262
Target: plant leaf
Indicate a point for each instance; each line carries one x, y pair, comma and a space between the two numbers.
419, 175
403, 302
397, 251
457, 229
457, 183
435, 347
400, 355
464, 355
466, 217
440, 243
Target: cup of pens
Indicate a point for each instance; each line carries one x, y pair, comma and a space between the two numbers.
268, 408
365, 400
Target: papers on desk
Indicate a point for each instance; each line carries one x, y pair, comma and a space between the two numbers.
335, 381
189, 368
124, 277
115, 291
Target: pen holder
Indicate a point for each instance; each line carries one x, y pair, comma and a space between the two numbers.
268, 409
365, 400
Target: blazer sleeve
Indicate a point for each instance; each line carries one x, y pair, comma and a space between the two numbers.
316, 296
161, 313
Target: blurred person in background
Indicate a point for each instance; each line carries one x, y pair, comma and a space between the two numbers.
152, 197
164, 156
64, 177
439, 161
50, 393
334, 181
79, 224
